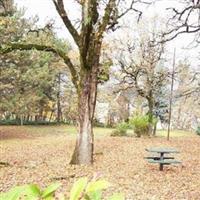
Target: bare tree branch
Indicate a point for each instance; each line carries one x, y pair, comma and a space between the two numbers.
106, 18
63, 14
186, 20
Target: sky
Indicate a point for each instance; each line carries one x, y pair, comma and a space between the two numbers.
46, 12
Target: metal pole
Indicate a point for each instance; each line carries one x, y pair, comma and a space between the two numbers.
171, 95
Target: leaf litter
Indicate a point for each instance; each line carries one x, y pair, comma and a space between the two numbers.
120, 160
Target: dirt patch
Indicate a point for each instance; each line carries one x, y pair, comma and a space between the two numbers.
14, 132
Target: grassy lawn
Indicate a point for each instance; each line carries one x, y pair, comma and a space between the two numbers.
63, 129
174, 133
71, 131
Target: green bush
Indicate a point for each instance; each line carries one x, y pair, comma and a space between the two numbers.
140, 125
17, 122
198, 130
81, 190
9, 122
121, 129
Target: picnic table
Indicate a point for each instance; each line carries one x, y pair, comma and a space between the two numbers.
160, 157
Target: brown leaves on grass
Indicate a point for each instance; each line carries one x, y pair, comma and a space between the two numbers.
120, 160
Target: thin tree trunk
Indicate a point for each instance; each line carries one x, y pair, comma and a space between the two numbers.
59, 112
40, 113
83, 153
21, 120
110, 120
150, 113
171, 96
28, 118
52, 111
154, 129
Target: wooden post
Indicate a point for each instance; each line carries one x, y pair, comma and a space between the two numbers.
171, 96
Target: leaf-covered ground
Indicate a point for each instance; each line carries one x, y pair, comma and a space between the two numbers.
41, 155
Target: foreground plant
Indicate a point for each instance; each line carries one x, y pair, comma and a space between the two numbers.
81, 190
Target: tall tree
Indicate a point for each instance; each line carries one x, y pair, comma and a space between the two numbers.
143, 70
96, 18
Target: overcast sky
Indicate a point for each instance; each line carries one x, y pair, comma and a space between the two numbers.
46, 11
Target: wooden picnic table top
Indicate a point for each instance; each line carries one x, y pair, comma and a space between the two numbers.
162, 150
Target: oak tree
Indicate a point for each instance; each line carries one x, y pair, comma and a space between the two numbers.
142, 67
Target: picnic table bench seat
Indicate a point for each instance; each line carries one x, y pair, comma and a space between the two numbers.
168, 161
157, 157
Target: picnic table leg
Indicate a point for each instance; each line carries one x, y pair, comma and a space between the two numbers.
161, 158
161, 167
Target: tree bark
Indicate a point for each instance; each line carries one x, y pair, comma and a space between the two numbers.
83, 152
21, 120
52, 111
154, 128
59, 112
40, 114
150, 113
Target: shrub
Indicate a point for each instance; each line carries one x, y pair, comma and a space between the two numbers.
121, 129
17, 122
140, 125
81, 190
198, 130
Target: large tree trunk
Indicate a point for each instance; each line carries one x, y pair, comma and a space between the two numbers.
83, 153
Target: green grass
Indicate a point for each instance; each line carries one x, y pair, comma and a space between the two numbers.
71, 130
174, 133
63, 129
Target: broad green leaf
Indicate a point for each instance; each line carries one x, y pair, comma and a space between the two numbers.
50, 190
117, 197
78, 188
14, 194
32, 191
96, 195
2, 196
97, 185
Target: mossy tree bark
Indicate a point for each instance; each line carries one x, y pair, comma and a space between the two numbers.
83, 152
